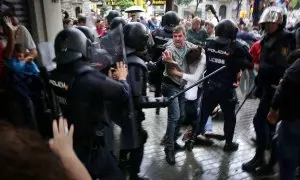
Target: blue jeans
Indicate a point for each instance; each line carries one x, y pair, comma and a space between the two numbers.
288, 148
209, 124
176, 113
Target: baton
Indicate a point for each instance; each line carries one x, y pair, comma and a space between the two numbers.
197, 83
123, 44
245, 99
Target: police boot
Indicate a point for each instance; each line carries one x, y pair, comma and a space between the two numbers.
170, 156
255, 162
231, 146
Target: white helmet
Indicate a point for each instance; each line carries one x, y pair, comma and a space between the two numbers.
272, 14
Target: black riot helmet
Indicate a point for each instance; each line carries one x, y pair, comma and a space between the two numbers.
88, 32
136, 36
111, 15
116, 22
70, 45
227, 29
169, 20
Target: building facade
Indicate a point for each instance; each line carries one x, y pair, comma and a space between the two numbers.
75, 7
226, 9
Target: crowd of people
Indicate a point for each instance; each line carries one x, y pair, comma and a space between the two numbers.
101, 80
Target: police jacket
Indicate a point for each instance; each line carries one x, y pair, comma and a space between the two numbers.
286, 98
81, 91
160, 37
273, 56
224, 52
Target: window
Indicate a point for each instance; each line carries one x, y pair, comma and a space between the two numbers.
222, 12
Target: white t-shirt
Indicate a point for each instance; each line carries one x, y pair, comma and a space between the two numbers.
192, 78
24, 38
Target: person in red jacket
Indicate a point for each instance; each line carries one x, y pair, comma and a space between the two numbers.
255, 52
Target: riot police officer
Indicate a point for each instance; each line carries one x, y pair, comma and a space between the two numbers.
116, 22
161, 36
223, 50
275, 46
111, 15
80, 91
133, 136
111, 42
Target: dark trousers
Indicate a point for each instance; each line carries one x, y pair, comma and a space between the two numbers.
191, 112
99, 162
134, 161
214, 94
261, 125
288, 148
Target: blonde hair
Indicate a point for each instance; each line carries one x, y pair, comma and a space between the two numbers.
196, 20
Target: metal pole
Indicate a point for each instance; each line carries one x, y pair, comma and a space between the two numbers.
197, 83
169, 5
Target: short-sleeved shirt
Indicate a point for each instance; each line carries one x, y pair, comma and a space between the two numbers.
24, 38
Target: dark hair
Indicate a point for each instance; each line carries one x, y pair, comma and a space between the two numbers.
67, 21
19, 48
98, 20
75, 22
193, 55
82, 20
178, 29
202, 22
193, 15
24, 155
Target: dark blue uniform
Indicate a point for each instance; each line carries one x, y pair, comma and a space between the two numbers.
273, 62
81, 91
219, 88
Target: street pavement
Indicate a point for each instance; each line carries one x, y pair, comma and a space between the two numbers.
207, 163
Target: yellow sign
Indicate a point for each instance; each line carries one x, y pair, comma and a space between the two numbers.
158, 2
110, 2
243, 14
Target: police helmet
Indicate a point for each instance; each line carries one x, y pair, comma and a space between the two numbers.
111, 15
88, 32
227, 29
136, 36
116, 22
170, 19
70, 45
273, 14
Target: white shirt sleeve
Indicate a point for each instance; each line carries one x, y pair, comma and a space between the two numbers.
198, 73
